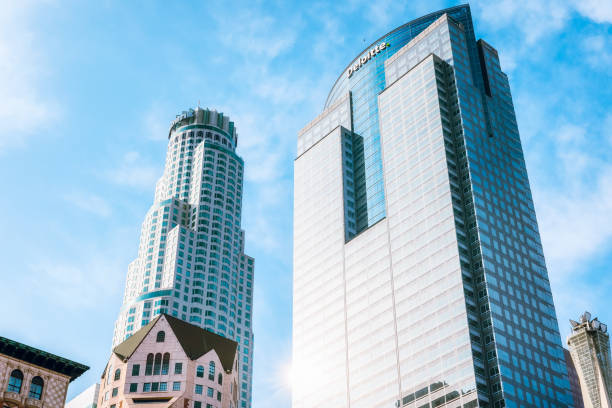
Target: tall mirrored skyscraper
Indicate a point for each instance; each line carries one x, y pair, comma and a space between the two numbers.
191, 262
419, 276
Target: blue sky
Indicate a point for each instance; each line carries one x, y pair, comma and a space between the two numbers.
88, 89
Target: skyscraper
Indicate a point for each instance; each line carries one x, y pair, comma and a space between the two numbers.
590, 349
574, 380
191, 262
419, 276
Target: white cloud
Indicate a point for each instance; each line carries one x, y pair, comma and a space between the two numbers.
256, 35
599, 11
75, 284
521, 28
574, 223
574, 208
134, 172
156, 121
598, 50
534, 19
90, 203
24, 110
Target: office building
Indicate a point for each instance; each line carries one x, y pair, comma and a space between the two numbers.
574, 381
419, 275
86, 399
33, 378
589, 346
171, 363
191, 262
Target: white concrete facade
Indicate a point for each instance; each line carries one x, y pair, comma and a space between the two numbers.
86, 399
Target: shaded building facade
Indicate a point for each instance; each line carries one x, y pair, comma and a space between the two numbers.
573, 380
419, 275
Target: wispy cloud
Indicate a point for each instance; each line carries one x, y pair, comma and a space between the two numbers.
24, 109
156, 121
134, 172
533, 19
599, 11
256, 34
90, 202
598, 49
76, 284
570, 168
573, 222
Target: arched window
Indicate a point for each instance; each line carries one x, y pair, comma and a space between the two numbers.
157, 365
14, 384
36, 388
149, 366
117, 374
161, 336
211, 371
165, 363
200, 371
220, 379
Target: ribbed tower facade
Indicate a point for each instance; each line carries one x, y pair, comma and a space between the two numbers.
419, 275
590, 350
191, 261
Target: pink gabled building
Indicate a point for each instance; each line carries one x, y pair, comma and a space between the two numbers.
171, 363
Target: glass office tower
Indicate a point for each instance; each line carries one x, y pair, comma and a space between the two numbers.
191, 261
419, 276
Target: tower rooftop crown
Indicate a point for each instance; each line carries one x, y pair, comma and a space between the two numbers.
588, 323
204, 118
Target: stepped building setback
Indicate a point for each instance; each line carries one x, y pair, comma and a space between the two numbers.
191, 262
419, 275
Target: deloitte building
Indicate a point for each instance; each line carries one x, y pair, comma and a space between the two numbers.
419, 276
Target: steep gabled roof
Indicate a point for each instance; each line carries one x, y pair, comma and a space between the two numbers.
194, 340
127, 348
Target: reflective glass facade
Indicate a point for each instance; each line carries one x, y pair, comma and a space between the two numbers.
365, 84
191, 262
442, 298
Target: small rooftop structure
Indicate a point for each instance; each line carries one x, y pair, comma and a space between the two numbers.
590, 325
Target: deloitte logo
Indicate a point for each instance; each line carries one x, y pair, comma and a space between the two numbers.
371, 54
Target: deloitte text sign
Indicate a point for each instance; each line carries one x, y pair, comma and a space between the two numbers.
371, 54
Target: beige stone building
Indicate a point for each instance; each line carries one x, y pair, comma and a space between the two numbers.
32, 378
171, 363
589, 346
